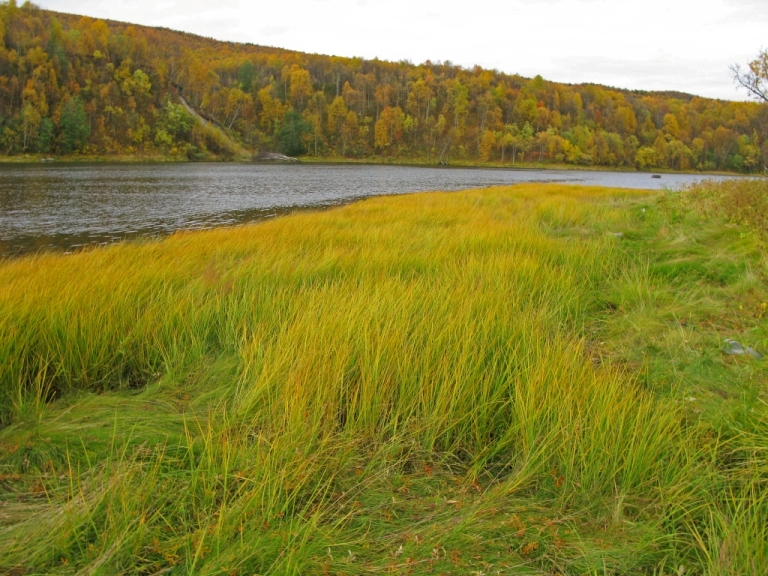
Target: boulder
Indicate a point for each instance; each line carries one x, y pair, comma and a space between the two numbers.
276, 157
735, 348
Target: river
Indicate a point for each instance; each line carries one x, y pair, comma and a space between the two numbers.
67, 206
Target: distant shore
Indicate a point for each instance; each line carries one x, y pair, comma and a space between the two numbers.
370, 161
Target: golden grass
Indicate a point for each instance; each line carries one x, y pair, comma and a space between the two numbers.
325, 352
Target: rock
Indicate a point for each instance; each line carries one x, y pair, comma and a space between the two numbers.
734, 348
277, 157
618, 234
754, 353
656, 176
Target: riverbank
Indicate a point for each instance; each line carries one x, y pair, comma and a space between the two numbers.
383, 160
115, 158
372, 161
517, 378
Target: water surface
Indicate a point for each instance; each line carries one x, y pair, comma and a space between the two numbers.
66, 206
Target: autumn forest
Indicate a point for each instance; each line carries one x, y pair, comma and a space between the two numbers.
78, 86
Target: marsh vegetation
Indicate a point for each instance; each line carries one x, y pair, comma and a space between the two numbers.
516, 380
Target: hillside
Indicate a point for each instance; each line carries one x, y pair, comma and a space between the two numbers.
77, 85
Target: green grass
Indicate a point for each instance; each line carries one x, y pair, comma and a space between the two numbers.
489, 381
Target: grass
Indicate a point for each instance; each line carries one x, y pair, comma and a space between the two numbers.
487, 382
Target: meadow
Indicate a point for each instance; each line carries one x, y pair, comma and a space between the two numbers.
517, 380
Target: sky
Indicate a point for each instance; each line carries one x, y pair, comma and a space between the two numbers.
685, 45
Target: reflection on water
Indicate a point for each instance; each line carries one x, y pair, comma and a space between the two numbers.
65, 206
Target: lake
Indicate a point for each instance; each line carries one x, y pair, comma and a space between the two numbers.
66, 206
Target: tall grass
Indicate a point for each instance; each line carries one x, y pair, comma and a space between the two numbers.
278, 384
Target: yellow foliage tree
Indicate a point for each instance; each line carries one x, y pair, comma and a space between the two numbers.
487, 145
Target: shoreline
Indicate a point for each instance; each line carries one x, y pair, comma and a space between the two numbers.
376, 161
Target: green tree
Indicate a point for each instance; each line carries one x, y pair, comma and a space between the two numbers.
174, 124
246, 74
75, 129
292, 133
175, 120
45, 135
506, 138
648, 131
30, 121
645, 158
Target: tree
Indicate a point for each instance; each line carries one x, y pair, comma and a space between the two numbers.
246, 74
679, 155
349, 131
506, 138
526, 112
301, 86
74, 125
236, 101
292, 133
30, 122
459, 106
419, 97
337, 117
389, 127
521, 140
272, 110
45, 135
487, 145
648, 130
313, 114
645, 158
175, 120
671, 126
756, 79
626, 121
542, 142
121, 75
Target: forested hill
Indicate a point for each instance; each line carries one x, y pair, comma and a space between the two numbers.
78, 85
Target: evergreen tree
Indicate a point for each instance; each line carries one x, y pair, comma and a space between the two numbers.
292, 133
74, 125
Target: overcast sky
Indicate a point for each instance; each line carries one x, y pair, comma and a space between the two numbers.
682, 45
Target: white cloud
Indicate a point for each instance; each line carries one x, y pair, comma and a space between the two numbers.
637, 44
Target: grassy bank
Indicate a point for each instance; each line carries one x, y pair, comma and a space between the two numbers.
521, 380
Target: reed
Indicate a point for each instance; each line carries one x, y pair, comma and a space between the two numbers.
434, 382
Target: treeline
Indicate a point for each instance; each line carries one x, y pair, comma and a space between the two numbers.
77, 85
